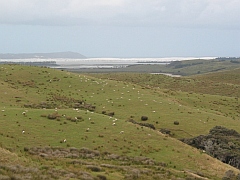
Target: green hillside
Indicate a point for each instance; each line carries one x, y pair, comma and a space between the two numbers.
56, 124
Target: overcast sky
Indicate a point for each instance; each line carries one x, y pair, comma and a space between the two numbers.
121, 28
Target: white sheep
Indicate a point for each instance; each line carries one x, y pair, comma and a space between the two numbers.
87, 129
64, 140
121, 132
23, 131
114, 124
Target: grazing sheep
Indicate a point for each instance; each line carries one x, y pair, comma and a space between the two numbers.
24, 113
121, 132
114, 124
64, 140
87, 129
23, 131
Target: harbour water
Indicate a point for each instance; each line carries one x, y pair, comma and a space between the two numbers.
105, 62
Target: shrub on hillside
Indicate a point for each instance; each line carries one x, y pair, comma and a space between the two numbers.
101, 177
165, 131
111, 114
144, 118
52, 116
176, 123
94, 168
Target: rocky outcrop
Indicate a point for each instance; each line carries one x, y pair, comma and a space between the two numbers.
220, 143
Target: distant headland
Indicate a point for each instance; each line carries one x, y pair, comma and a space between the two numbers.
54, 55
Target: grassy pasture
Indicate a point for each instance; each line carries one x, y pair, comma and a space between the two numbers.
23, 88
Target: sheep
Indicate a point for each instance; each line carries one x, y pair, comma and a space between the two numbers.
114, 124
87, 129
24, 113
23, 131
64, 140
121, 132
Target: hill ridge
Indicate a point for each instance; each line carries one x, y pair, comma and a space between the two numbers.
52, 55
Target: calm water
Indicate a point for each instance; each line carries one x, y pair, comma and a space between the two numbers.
108, 62
117, 62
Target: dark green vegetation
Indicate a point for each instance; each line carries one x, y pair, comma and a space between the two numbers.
221, 143
56, 124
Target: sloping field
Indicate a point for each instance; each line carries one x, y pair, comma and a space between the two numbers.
44, 113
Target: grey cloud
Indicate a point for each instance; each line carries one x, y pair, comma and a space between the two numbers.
221, 13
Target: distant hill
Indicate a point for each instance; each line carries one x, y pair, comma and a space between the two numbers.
70, 55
